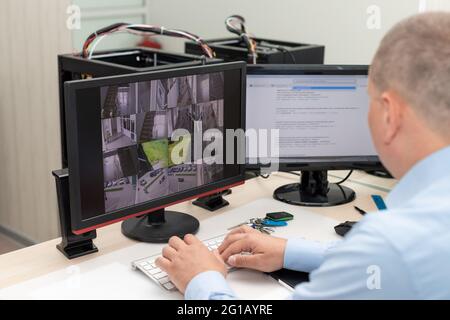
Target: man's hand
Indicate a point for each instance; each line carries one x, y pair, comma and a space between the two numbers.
266, 253
182, 260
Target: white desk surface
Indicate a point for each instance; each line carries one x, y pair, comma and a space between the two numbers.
42, 272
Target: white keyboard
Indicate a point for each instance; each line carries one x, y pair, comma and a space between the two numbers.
148, 267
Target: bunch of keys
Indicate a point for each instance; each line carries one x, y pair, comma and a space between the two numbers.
262, 225
258, 224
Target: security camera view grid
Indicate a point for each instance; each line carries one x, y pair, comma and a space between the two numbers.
137, 122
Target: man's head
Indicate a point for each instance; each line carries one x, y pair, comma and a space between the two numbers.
409, 88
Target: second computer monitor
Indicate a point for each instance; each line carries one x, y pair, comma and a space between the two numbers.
320, 113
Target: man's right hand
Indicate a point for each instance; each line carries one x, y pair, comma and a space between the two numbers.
246, 247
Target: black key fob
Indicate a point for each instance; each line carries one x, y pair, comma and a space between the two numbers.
342, 228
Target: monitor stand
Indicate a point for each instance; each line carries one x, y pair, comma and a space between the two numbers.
314, 190
72, 245
383, 173
213, 202
158, 226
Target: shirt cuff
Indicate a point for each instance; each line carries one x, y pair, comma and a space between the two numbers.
303, 255
208, 285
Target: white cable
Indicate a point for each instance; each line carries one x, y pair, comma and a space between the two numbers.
97, 41
127, 28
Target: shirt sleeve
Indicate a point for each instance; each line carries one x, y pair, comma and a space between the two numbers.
364, 266
300, 254
305, 255
208, 285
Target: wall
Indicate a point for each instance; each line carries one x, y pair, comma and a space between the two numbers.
96, 14
32, 33
339, 24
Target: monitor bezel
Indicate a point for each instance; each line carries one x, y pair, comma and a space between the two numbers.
80, 225
315, 163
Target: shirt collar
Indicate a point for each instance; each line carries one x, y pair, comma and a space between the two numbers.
420, 176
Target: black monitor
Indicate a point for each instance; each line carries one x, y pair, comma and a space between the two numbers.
117, 62
321, 114
121, 145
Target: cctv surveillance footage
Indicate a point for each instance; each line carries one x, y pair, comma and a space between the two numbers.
138, 120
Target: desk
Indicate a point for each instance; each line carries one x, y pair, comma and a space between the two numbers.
36, 262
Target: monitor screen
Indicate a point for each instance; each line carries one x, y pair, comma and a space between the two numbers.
126, 160
321, 116
138, 120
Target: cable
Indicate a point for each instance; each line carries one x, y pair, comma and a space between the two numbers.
279, 48
103, 31
140, 29
338, 183
289, 54
298, 174
236, 24
257, 173
97, 41
264, 176
345, 179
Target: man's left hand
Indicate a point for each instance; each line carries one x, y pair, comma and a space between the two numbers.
182, 260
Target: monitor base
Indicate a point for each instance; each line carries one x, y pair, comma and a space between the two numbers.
160, 226
71, 245
72, 251
314, 190
213, 202
380, 173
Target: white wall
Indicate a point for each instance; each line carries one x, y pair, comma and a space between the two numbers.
339, 24
32, 33
96, 14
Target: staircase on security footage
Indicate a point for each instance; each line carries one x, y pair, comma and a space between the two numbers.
147, 127
128, 161
110, 107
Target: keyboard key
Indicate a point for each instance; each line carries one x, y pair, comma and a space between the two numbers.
143, 263
148, 267
169, 286
164, 280
154, 271
159, 275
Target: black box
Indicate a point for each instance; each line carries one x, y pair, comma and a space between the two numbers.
269, 51
117, 62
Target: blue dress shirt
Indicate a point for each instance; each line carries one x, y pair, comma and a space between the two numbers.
399, 253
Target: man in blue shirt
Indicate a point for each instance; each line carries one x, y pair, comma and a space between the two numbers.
402, 253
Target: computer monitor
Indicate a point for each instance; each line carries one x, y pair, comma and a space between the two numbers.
321, 114
126, 157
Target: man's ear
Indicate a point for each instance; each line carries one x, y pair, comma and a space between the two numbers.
393, 108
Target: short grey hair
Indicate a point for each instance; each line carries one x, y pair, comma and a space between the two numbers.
414, 60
